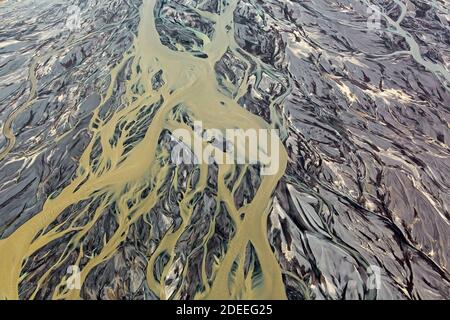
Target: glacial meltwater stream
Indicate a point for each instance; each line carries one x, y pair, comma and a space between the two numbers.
116, 176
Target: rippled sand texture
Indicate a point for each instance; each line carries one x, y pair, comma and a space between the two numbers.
87, 118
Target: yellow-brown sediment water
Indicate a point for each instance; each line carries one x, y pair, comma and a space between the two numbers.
188, 80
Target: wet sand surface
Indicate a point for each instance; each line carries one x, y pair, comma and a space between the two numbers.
91, 93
